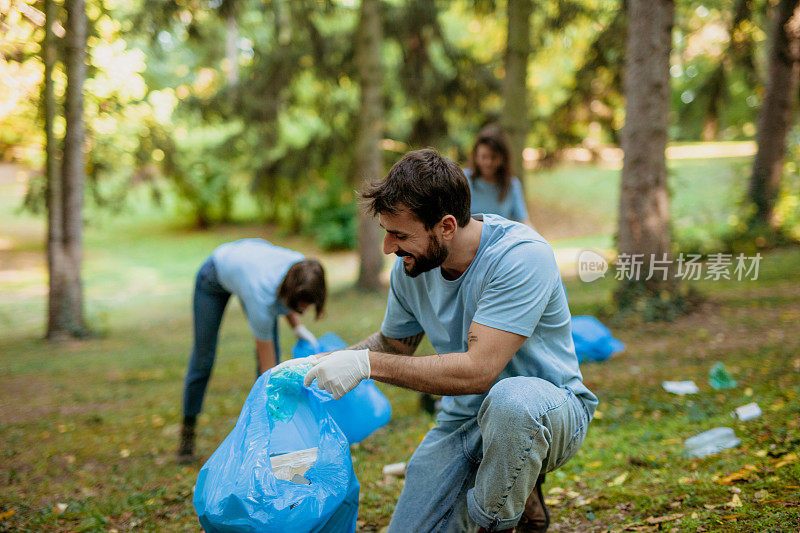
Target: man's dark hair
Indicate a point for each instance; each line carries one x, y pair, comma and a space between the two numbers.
304, 283
494, 138
428, 184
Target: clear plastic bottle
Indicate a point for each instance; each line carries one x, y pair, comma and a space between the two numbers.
710, 442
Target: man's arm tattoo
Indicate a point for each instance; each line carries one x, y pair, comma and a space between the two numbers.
414, 340
377, 342
471, 337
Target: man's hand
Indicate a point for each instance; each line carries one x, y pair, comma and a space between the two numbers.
340, 372
302, 332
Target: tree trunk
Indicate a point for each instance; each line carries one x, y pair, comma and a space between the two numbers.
73, 166
775, 115
515, 90
369, 158
57, 312
643, 212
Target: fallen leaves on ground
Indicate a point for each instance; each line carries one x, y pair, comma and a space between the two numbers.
619, 480
787, 459
661, 519
652, 523
742, 475
735, 502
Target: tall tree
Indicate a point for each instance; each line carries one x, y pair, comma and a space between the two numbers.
775, 115
515, 89
65, 189
369, 158
643, 212
57, 312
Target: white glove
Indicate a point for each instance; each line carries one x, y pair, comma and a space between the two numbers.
294, 362
340, 372
301, 332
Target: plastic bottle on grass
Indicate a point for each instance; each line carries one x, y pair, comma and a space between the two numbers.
747, 412
719, 378
711, 442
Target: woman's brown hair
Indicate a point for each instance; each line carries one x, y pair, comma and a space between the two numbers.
304, 283
494, 138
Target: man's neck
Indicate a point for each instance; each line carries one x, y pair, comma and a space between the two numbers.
462, 249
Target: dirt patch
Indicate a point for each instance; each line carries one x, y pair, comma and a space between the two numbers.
554, 222
11, 174
719, 330
26, 398
16, 266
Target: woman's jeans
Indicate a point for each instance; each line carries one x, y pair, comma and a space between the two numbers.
480, 472
210, 299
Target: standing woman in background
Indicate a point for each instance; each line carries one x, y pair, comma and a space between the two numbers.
493, 186
270, 281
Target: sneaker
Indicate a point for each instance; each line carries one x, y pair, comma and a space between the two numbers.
536, 517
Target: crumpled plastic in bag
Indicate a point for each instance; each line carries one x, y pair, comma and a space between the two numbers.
284, 391
361, 411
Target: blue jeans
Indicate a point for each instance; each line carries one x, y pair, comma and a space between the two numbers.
210, 299
480, 472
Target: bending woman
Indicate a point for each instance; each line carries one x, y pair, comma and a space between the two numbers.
270, 281
493, 186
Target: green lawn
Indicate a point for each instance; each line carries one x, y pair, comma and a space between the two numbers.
88, 429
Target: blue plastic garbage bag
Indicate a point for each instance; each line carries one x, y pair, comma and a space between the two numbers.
359, 412
593, 341
236, 490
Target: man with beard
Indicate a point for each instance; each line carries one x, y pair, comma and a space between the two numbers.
487, 293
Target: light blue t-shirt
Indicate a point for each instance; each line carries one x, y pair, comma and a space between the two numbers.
485, 199
253, 269
512, 284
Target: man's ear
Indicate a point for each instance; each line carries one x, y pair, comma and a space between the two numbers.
449, 226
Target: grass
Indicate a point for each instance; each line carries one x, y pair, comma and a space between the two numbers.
88, 429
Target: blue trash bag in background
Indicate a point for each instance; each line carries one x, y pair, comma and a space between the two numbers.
593, 341
236, 490
359, 412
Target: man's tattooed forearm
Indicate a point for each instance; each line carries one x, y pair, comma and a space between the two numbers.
377, 342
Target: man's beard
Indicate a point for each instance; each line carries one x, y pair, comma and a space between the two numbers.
433, 257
